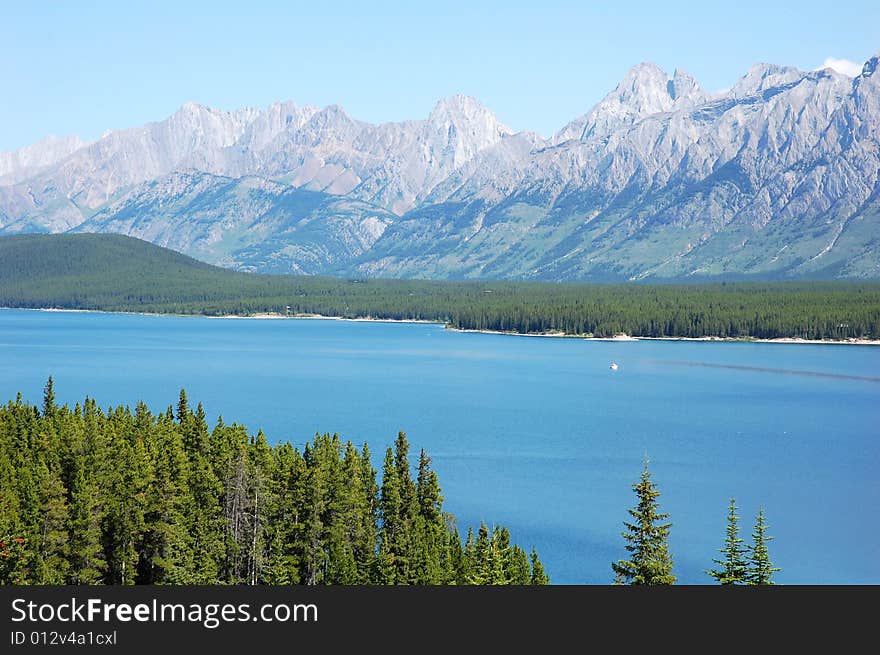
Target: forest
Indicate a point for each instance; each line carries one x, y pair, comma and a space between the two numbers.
117, 273
124, 497
92, 496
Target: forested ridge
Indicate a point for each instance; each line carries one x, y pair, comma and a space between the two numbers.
117, 273
122, 496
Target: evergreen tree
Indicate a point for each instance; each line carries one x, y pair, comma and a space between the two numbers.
732, 567
87, 562
285, 527
182, 407
53, 550
760, 568
646, 540
165, 548
368, 533
389, 511
407, 542
499, 559
539, 576
431, 530
480, 564
454, 569
128, 497
49, 397
204, 520
519, 569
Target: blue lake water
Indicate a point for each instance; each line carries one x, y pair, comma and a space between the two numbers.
534, 433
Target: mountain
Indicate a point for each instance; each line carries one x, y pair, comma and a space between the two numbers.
775, 177
247, 223
21, 164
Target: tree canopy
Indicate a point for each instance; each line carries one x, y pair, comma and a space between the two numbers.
122, 496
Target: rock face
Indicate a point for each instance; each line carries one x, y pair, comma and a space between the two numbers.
248, 223
21, 164
776, 177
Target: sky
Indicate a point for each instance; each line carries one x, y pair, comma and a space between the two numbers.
84, 68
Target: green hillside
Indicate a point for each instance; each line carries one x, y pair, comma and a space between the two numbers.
118, 273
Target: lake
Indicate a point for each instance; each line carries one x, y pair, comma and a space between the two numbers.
535, 433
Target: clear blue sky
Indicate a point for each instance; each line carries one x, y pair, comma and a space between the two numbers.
81, 68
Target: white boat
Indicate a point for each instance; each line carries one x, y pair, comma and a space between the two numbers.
613, 366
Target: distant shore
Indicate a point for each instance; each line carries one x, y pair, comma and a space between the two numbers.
555, 335
321, 317
626, 337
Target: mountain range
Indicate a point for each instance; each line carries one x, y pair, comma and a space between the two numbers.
776, 177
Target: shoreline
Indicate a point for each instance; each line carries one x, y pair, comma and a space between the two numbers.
622, 338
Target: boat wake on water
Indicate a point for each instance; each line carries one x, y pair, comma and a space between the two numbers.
781, 371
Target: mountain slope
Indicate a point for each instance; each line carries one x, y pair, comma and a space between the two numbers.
393, 164
246, 223
778, 177
774, 178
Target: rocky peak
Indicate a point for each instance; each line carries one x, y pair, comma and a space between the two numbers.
683, 86
18, 164
645, 90
762, 77
464, 125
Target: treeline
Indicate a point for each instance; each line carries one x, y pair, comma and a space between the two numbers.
116, 273
130, 497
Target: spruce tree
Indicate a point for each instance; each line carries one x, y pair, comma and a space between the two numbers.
182, 407
760, 568
53, 549
431, 525
315, 513
732, 567
87, 562
646, 540
467, 565
539, 577
518, 569
499, 557
389, 510
481, 558
49, 397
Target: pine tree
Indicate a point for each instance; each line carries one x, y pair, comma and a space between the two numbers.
166, 548
519, 570
454, 558
431, 526
732, 569
389, 510
499, 557
760, 568
467, 566
650, 562
481, 558
406, 539
49, 398
205, 520
182, 407
53, 549
538, 577
368, 533
87, 563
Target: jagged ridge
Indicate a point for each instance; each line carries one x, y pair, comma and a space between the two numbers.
776, 177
